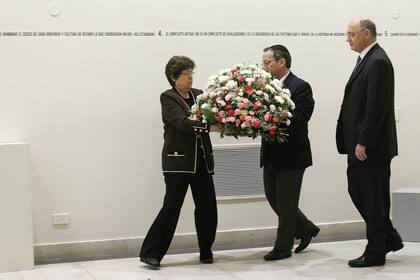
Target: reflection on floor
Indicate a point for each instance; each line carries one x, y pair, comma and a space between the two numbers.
320, 261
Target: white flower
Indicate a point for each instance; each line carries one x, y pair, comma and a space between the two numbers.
279, 99
277, 85
204, 106
245, 72
223, 79
231, 84
269, 88
272, 108
225, 72
253, 66
287, 122
249, 80
194, 108
265, 74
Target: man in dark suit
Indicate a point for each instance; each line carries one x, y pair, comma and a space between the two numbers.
285, 163
366, 132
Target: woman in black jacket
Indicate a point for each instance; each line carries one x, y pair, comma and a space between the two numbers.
187, 160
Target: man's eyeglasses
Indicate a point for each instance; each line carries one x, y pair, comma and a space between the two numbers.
267, 62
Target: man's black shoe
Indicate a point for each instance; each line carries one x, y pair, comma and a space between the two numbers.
364, 261
277, 255
150, 261
394, 248
206, 257
304, 242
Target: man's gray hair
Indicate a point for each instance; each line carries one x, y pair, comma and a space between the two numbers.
369, 25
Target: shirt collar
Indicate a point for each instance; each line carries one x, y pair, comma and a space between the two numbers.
366, 50
284, 78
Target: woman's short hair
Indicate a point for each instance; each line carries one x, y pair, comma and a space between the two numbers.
176, 65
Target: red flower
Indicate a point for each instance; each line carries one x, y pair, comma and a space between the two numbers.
228, 107
241, 79
234, 70
276, 119
247, 87
230, 113
198, 114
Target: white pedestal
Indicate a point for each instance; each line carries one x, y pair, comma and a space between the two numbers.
406, 213
16, 234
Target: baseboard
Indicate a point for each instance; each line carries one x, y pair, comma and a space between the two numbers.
185, 243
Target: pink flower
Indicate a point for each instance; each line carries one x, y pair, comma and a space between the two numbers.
267, 117
228, 97
245, 124
266, 97
232, 119
255, 123
214, 110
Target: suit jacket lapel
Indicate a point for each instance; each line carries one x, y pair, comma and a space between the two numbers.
288, 79
362, 64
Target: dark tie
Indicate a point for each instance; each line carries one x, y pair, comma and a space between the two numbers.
357, 63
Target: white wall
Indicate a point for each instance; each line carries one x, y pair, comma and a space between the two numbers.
89, 106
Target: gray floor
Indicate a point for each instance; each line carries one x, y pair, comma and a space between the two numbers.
324, 261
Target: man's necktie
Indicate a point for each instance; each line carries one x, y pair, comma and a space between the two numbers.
357, 63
